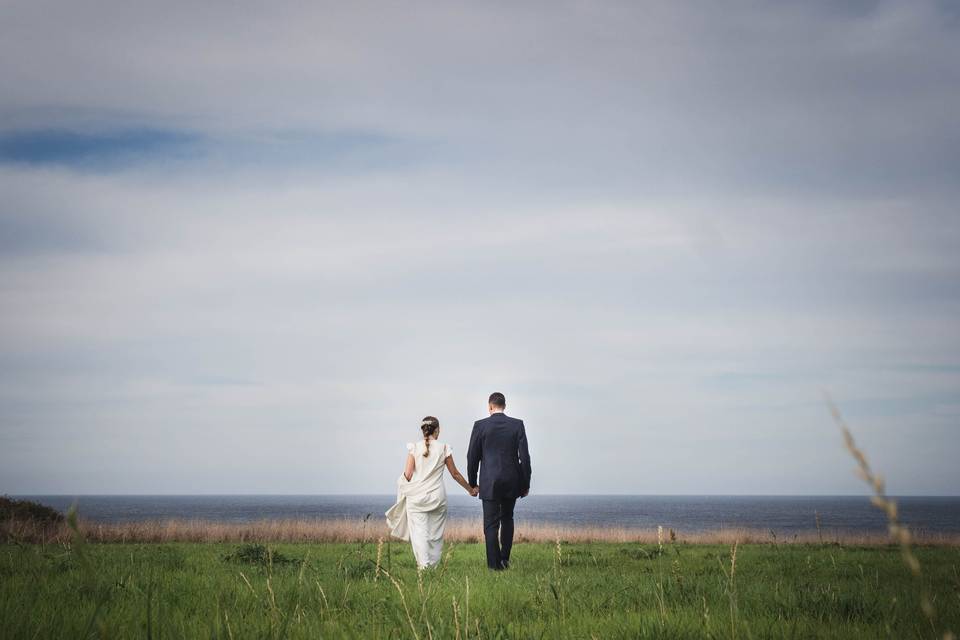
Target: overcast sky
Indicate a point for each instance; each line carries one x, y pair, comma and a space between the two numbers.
246, 246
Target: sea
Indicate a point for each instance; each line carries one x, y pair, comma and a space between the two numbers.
783, 515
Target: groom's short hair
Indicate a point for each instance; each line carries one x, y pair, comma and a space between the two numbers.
497, 399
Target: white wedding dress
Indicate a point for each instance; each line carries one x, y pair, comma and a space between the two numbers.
420, 512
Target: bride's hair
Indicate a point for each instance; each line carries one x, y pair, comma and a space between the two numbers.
429, 426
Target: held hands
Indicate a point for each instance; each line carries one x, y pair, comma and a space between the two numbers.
474, 491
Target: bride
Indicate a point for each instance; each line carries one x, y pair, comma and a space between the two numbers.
420, 512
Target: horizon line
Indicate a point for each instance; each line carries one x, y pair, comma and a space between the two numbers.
367, 495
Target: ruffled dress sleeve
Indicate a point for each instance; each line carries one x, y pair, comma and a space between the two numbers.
448, 451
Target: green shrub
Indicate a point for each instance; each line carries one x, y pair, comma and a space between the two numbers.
257, 554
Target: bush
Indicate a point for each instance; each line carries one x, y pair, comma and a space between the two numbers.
257, 554
25, 510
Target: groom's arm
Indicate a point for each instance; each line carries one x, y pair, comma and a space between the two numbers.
524, 454
474, 453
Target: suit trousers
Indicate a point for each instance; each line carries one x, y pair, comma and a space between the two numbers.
498, 531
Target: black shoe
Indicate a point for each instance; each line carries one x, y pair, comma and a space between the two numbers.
505, 564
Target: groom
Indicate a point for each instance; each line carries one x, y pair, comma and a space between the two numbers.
500, 443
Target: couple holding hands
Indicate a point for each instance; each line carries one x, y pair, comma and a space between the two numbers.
498, 451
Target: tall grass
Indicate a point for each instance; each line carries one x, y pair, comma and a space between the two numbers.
457, 530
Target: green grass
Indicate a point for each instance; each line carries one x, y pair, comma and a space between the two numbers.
596, 590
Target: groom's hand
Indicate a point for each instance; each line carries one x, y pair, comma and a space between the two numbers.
474, 491
525, 493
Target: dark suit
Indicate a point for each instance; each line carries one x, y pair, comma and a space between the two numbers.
498, 449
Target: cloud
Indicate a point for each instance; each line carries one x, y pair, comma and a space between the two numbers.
116, 148
661, 229
131, 149
658, 97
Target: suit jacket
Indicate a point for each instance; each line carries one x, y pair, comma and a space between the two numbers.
498, 449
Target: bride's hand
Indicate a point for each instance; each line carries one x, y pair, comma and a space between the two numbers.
474, 491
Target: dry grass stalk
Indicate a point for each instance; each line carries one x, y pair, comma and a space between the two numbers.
456, 617
898, 531
732, 591
376, 574
660, 594
558, 578
466, 610
733, 561
323, 595
403, 601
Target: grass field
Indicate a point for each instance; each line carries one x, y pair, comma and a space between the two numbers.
577, 590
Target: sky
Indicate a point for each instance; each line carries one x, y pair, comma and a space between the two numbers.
245, 247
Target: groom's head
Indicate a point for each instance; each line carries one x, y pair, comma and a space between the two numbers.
497, 402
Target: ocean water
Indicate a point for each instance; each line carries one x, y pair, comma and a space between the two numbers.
782, 514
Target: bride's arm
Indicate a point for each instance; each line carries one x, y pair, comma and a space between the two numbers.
408, 470
452, 468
